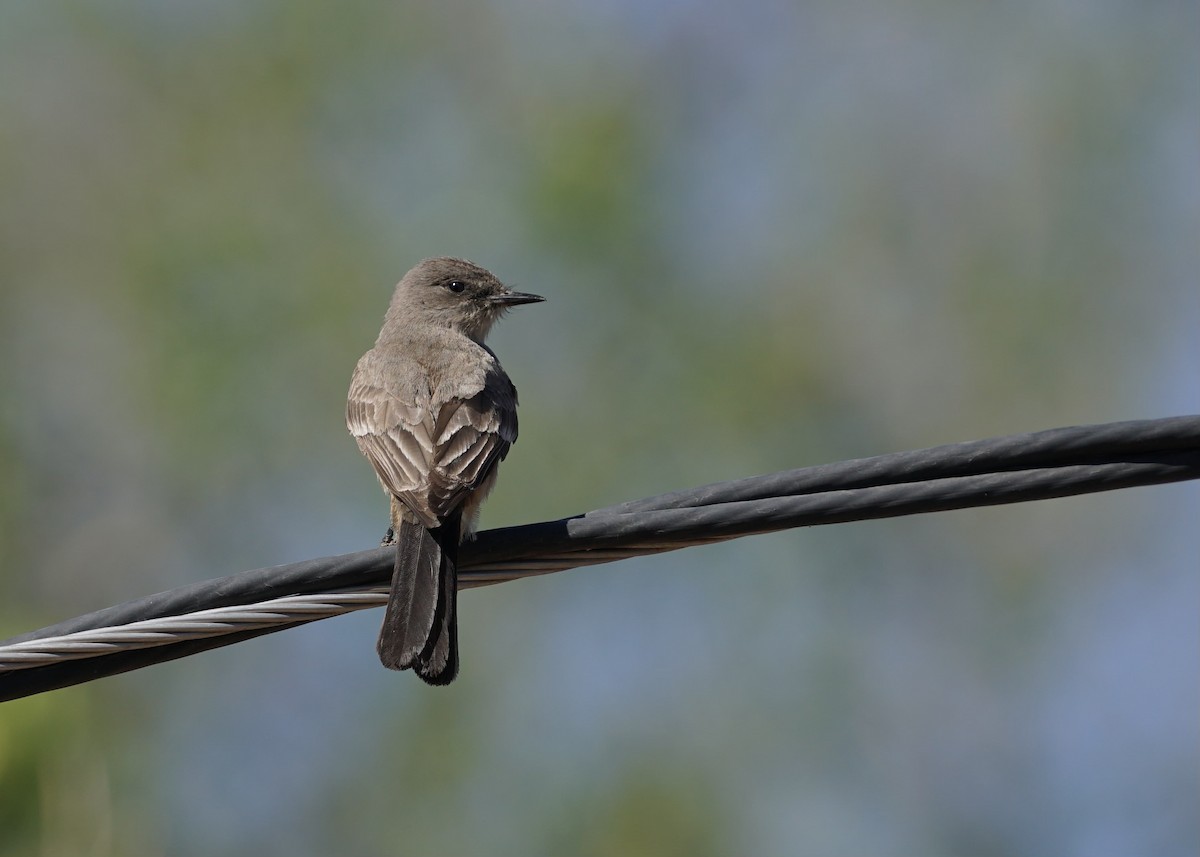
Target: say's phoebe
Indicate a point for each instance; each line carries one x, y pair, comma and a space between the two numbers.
434, 413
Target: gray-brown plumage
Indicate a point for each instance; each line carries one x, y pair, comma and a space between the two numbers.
434, 413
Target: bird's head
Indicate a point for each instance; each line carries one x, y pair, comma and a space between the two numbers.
454, 293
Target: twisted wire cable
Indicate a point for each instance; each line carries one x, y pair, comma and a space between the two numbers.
1018, 468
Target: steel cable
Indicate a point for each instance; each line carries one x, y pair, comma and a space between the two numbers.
206, 615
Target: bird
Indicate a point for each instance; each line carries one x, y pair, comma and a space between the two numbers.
434, 413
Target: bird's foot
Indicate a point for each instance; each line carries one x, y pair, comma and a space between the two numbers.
389, 538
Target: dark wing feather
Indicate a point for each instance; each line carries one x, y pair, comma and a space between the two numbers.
473, 435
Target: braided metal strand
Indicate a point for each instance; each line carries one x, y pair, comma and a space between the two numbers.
191, 619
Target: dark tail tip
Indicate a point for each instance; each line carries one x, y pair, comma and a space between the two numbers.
439, 677
391, 652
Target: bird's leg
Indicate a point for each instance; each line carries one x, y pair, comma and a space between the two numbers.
389, 537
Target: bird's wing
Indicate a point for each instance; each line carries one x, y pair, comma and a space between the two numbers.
471, 437
432, 457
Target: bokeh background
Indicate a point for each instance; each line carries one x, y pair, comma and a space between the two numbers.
772, 234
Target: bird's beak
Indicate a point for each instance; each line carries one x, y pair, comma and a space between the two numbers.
516, 298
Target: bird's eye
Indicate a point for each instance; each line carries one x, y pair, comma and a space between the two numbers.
457, 286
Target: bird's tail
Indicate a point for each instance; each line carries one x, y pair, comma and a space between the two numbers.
420, 625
